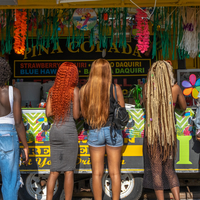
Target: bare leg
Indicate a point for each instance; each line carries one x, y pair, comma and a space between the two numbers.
97, 157
114, 159
69, 184
176, 193
159, 194
51, 184
172, 178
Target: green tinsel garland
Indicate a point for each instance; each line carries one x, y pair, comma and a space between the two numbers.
37, 31
32, 19
92, 37
54, 37
174, 35
27, 46
117, 17
73, 37
112, 28
2, 35
119, 28
9, 39
42, 29
100, 24
68, 27
154, 35
124, 44
49, 31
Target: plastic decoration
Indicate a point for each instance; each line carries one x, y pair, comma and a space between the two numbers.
192, 87
189, 40
20, 31
84, 18
105, 16
143, 31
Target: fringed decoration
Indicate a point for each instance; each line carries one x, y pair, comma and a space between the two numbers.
46, 28
189, 41
100, 24
20, 31
112, 28
154, 51
54, 37
124, 44
49, 30
116, 25
142, 31
92, 37
3, 24
8, 41
68, 19
174, 36
37, 29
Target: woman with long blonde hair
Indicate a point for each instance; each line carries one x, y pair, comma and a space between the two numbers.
160, 96
63, 105
97, 99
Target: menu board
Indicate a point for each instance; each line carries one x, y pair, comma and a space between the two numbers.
128, 65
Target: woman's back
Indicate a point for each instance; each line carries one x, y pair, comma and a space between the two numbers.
68, 121
4, 101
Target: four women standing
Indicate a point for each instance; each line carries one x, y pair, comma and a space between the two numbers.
97, 99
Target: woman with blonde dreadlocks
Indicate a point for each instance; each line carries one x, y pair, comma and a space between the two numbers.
63, 105
160, 96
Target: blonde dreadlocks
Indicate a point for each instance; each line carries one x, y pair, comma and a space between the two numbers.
160, 122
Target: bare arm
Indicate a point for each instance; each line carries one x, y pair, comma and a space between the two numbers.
176, 90
18, 121
181, 100
49, 112
120, 96
76, 104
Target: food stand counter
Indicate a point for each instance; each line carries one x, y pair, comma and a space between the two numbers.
132, 165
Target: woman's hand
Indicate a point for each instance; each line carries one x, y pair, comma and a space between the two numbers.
26, 155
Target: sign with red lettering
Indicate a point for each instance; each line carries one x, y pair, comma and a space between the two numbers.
46, 68
128, 65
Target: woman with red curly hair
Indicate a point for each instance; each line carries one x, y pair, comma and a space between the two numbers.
63, 105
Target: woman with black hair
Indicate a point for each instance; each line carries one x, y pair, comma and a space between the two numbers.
11, 126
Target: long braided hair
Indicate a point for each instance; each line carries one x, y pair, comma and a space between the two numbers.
160, 120
62, 92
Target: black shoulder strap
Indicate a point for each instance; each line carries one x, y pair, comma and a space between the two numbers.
115, 92
111, 91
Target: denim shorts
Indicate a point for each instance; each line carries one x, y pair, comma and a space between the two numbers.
102, 137
9, 161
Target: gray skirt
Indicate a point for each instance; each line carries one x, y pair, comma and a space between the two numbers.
64, 147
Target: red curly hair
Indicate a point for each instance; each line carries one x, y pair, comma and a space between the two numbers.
62, 92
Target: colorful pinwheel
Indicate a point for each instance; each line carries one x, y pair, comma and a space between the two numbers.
192, 87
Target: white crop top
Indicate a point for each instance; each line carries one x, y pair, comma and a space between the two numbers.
9, 119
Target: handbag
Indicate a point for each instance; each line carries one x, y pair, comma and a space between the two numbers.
120, 116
